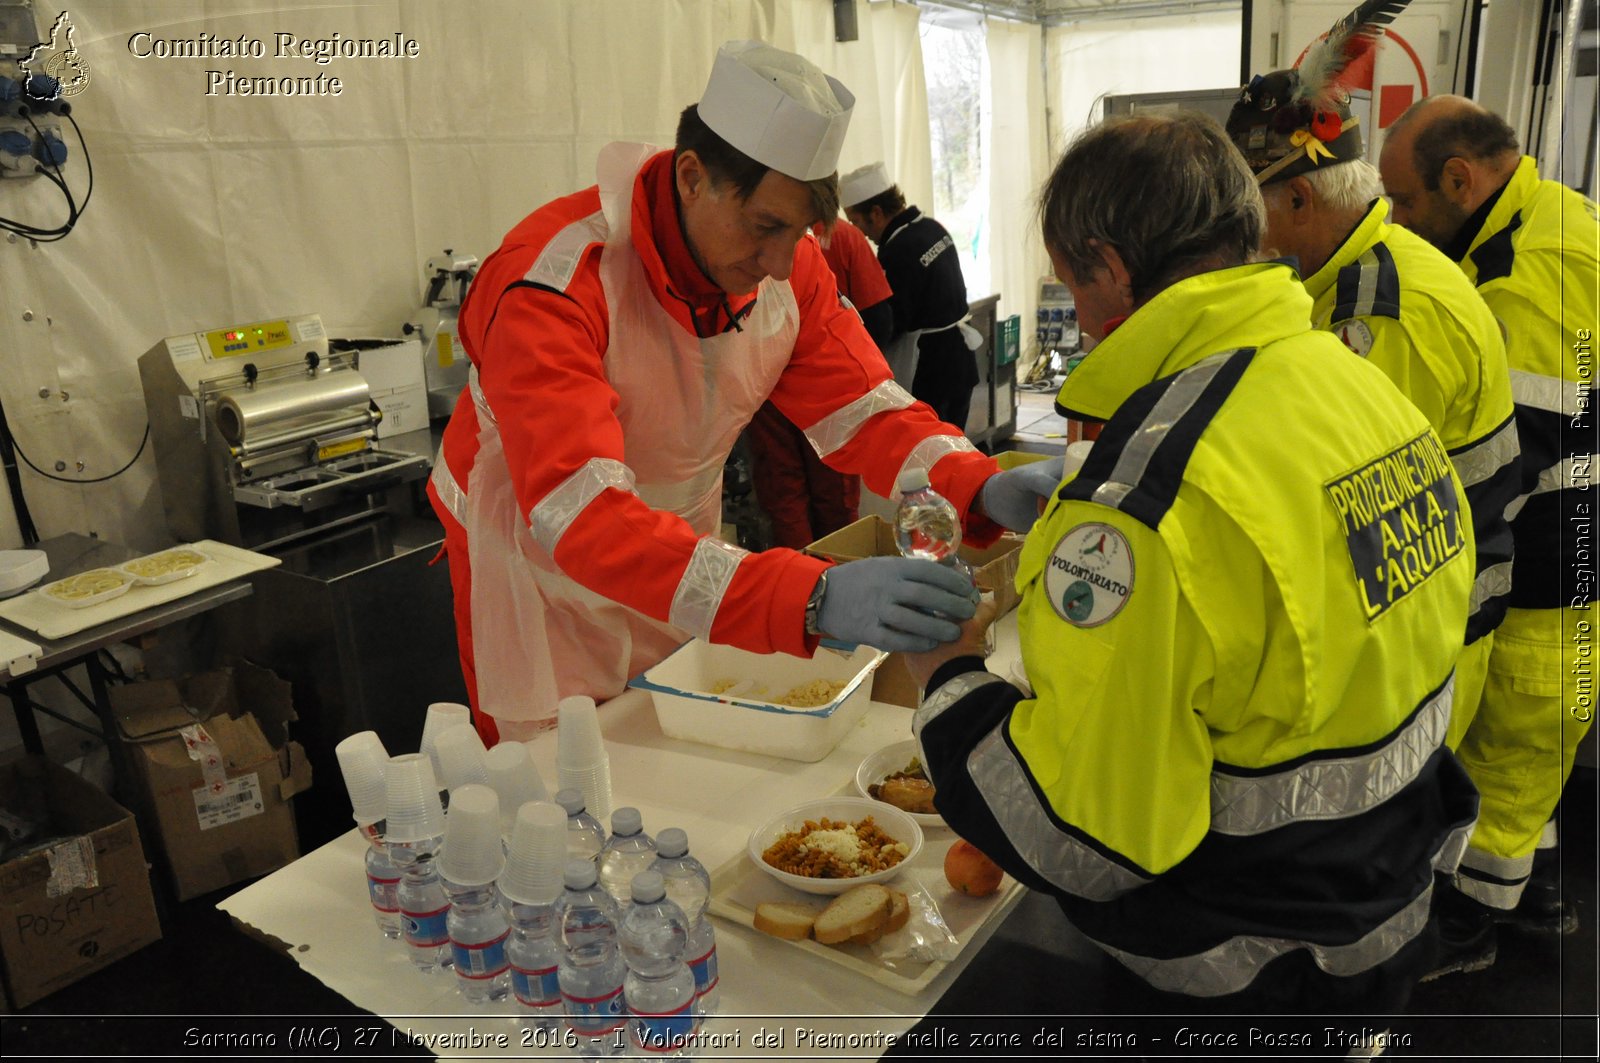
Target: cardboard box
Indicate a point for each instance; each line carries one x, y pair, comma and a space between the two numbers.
994, 566
397, 381
213, 756
78, 903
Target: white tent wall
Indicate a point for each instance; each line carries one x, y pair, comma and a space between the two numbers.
1167, 53
211, 209
1018, 163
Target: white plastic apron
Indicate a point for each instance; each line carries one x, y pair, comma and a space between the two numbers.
537, 635
903, 352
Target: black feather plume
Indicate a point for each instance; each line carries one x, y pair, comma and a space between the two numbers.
1350, 38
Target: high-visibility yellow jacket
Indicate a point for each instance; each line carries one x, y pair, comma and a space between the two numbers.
1239, 620
1398, 302
1534, 261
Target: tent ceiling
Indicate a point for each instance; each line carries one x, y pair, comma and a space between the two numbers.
1064, 12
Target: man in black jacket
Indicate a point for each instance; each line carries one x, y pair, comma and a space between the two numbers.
932, 347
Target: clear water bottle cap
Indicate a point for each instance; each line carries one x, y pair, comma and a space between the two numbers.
648, 887
579, 874
672, 843
626, 820
912, 480
570, 799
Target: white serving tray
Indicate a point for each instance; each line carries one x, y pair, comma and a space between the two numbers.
52, 620
738, 886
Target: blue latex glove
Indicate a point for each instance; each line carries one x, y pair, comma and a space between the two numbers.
891, 602
1012, 497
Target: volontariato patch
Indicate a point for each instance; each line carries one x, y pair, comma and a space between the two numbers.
1356, 336
1089, 576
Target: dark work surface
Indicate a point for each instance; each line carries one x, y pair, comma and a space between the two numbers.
1036, 978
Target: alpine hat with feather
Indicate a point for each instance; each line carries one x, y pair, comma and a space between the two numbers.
1291, 122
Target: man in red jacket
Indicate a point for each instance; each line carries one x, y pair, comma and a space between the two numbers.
803, 497
620, 339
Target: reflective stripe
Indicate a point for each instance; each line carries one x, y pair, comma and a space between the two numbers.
1168, 410
479, 399
1561, 475
554, 514
1335, 788
558, 262
841, 426
1234, 964
1493, 582
1497, 881
929, 451
1547, 393
1065, 862
449, 492
1483, 459
947, 695
704, 583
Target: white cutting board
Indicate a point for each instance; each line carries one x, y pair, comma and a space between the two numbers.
52, 620
17, 655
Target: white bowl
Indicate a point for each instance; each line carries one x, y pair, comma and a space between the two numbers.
886, 761
893, 822
75, 592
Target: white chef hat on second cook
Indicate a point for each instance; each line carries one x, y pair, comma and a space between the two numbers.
778, 108
862, 184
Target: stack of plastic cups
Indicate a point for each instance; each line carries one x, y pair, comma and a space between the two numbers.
530, 885
362, 760
581, 759
442, 715
513, 776
461, 758
414, 831
472, 861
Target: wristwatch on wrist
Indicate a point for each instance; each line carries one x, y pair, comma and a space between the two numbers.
814, 604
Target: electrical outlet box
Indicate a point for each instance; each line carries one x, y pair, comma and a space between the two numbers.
31, 95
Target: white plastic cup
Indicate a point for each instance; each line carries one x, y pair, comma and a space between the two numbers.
594, 783
513, 776
441, 715
578, 741
362, 761
473, 854
412, 811
460, 753
538, 857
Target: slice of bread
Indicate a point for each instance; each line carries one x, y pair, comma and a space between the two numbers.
789, 920
899, 916
855, 911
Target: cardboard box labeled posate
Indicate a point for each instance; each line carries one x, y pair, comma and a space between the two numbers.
74, 888
213, 755
994, 567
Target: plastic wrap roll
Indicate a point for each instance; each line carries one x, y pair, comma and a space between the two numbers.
279, 405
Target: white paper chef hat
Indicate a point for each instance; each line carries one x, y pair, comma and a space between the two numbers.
862, 184
777, 108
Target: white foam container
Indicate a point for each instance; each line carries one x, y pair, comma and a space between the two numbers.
679, 688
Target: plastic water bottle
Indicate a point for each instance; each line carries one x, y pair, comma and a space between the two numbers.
424, 905
364, 763
585, 836
926, 525
591, 971
688, 886
479, 928
627, 852
530, 888
535, 954
383, 882
660, 987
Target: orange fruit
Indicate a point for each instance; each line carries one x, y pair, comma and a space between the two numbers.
967, 869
